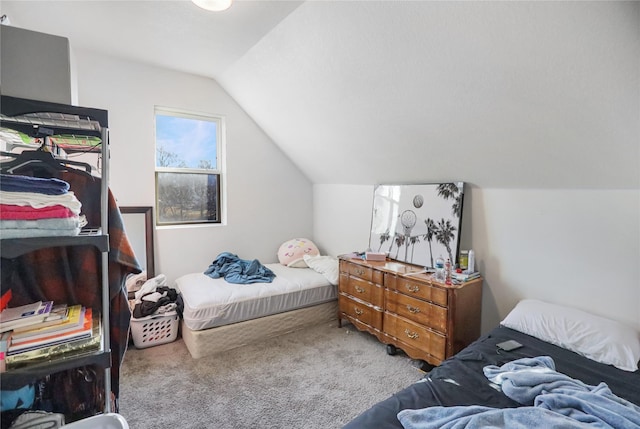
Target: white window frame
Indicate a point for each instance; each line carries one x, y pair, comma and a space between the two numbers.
219, 171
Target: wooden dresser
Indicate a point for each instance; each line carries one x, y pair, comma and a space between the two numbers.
428, 320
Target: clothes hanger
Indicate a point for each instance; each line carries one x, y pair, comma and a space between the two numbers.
37, 159
40, 158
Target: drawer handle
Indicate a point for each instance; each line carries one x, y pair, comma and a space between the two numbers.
359, 271
414, 310
359, 289
358, 311
412, 335
413, 288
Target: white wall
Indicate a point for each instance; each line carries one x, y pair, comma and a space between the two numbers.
342, 217
573, 247
269, 200
501, 93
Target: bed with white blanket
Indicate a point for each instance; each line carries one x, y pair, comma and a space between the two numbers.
219, 315
573, 370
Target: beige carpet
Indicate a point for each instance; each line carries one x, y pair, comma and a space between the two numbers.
317, 378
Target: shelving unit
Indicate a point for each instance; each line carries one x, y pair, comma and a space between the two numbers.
36, 118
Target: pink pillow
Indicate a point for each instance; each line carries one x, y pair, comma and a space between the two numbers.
291, 252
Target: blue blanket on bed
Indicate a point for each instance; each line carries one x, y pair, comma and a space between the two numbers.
550, 400
236, 270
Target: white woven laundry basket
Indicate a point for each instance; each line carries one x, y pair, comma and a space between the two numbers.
101, 421
155, 329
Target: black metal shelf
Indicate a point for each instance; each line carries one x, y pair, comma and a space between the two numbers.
37, 118
33, 130
13, 108
15, 378
14, 247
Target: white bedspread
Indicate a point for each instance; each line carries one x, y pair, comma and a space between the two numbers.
214, 302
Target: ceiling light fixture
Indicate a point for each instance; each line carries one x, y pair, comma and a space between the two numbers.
213, 5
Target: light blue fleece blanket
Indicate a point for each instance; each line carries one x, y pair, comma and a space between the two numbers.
236, 270
550, 400
55, 227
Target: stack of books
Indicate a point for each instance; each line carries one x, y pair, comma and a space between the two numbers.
4, 343
464, 276
27, 331
24, 315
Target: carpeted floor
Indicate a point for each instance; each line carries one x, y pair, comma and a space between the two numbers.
317, 378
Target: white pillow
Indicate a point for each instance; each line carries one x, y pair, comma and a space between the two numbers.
597, 338
328, 266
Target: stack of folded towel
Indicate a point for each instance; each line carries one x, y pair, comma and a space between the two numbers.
36, 207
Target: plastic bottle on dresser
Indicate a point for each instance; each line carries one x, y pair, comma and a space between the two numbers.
439, 269
472, 261
447, 272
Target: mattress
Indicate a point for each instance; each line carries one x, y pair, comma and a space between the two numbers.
460, 380
209, 303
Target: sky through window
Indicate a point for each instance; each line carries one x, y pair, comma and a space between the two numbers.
192, 141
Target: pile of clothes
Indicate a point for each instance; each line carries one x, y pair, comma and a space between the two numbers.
37, 207
242, 271
153, 296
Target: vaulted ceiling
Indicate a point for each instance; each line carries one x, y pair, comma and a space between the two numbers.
497, 94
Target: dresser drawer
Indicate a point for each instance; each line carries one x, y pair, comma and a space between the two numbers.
360, 311
364, 290
415, 335
417, 310
422, 291
364, 273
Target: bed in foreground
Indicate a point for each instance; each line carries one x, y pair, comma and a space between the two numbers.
456, 394
219, 315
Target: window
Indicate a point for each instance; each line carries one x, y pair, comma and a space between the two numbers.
188, 171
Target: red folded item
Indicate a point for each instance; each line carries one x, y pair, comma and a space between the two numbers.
4, 299
15, 212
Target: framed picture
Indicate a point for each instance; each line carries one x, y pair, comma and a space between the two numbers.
417, 223
138, 224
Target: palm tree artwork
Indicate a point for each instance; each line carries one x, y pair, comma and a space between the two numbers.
431, 231
413, 240
383, 237
451, 191
408, 221
445, 234
400, 239
424, 219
